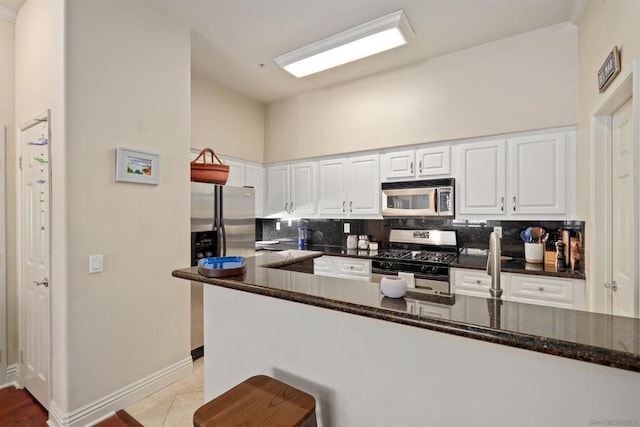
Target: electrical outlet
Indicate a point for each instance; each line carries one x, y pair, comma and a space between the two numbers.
498, 231
347, 228
277, 225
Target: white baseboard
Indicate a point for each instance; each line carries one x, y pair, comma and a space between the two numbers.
13, 376
106, 406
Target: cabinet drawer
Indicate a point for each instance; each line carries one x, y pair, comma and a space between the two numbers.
471, 282
322, 265
537, 290
352, 267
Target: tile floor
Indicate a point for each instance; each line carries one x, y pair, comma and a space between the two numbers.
174, 405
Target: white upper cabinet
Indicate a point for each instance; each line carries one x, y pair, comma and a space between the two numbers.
236, 172
433, 161
247, 174
349, 186
291, 190
538, 178
525, 176
398, 165
363, 185
332, 187
481, 188
254, 177
277, 203
302, 189
420, 163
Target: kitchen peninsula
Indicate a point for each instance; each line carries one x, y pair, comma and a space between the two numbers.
416, 360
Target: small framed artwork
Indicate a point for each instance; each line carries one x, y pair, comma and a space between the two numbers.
137, 166
609, 70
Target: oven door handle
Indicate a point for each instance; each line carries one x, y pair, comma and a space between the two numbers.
434, 277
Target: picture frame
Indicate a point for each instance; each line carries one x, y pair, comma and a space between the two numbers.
137, 166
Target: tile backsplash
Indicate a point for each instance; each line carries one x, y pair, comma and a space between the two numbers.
471, 234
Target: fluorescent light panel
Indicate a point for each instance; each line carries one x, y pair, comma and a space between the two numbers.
375, 36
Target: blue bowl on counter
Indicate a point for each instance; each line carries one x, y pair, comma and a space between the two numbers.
225, 266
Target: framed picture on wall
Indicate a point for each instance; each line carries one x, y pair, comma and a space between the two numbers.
137, 166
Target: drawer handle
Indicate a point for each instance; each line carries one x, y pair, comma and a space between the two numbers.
351, 267
541, 289
478, 282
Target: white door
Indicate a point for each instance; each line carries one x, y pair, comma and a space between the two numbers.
363, 185
332, 187
622, 257
538, 178
482, 185
35, 256
277, 203
302, 187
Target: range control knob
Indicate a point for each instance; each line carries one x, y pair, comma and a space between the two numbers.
199, 255
387, 265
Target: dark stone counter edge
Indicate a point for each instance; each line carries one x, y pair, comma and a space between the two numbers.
597, 355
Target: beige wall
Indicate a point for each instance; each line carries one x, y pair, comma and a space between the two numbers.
7, 118
221, 119
604, 24
515, 84
117, 327
127, 84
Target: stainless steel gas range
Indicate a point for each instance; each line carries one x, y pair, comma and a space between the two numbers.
421, 256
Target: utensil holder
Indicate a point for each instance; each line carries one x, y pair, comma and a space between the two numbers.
534, 253
209, 172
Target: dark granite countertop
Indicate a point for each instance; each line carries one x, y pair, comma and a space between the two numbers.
591, 337
514, 265
473, 261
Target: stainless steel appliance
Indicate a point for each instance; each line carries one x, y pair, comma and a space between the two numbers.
222, 224
423, 256
432, 197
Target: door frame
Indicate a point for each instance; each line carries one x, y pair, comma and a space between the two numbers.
601, 195
45, 116
3, 257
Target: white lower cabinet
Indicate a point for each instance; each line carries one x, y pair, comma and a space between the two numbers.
343, 267
525, 288
551, 291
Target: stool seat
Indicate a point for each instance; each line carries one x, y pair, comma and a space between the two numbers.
258, 401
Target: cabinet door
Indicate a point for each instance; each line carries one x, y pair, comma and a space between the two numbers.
363, 189
332, 187
302, 199
236, 172
398, 164
538, 175
482, 183
277, 191
433, 161
254, 177
472, 282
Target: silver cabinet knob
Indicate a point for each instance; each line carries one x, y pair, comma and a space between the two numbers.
541, 289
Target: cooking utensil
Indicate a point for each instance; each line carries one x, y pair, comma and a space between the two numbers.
525, 235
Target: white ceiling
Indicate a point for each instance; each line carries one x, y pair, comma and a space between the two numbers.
234, 41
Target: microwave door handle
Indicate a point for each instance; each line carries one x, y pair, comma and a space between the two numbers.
435, 201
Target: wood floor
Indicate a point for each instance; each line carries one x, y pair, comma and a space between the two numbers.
19, 408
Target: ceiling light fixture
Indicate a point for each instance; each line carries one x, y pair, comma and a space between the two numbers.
376, 36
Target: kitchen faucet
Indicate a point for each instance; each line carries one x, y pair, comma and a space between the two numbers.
493, 265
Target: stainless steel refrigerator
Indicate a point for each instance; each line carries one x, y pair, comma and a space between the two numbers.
222, 224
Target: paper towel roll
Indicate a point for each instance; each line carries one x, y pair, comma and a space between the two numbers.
411, 282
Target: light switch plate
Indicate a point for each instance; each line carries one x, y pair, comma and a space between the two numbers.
498, 231
277, 225
347, 228
96, 264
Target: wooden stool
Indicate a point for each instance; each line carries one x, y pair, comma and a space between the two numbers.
259, 401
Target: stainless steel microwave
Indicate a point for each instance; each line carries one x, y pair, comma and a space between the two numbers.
432, 197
